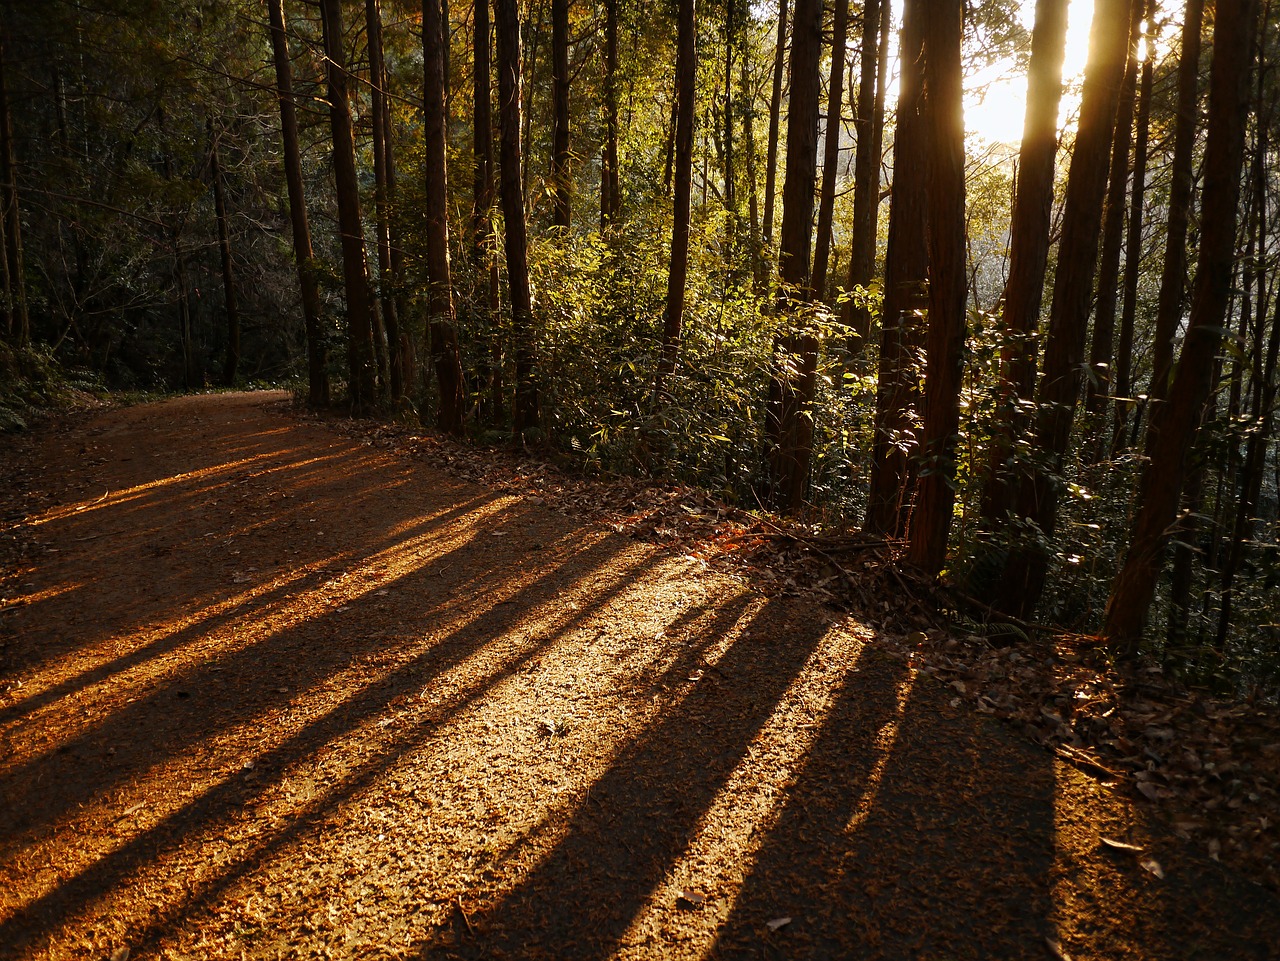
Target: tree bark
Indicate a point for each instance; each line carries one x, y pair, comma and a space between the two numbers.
905, 296
795, 361
231, 363
440, 313
610, 193
18, 321
1028, 255
1172, 429
831, 151
507, 23
1173, 276
355, 268
869, 124
484, 264
948, 289
1059, 389
775, 115
677, 273
560, 95
317, 361
379, 95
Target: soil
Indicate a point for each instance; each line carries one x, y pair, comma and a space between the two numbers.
269, 689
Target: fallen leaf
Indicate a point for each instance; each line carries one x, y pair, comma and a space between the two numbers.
693, 897
1120, 845
777, 923
1152, 865
1056, 950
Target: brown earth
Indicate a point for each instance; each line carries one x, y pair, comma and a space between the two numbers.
269, 690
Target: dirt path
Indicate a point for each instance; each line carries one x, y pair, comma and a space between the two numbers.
266, 691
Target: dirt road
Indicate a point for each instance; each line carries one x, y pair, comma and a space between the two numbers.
267, 691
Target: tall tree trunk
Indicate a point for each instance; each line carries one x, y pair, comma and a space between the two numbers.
775, 115
1059, 390
232, 362
1028, 254
560, 96
1133, 240
610, 193
730, 181
1098, 386
485, 265
507, 23
793, 382
831, 151
758, 263
317, 362
355, 268
440, 315
380, 94
905, 296
948, 290
869, 124
1173, 276
18, 321
686, 79
1172, 429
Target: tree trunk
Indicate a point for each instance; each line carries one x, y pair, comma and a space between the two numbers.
1099, 384
1133, 241
18, 321
1173, 277
869, 124
507, 23
1059, 390
232, 362
484, 264
1172, 429
1028, 255
831, 151
355, 268
948, 290
317, 361
905, 297
560, 95
440, 315
610, 195
686, 78
775, 115
382, 200
795, 362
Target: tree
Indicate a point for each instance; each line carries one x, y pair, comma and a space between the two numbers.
610, 190
17, 320
1172, 428
560, 176
775, 124
677, 273
382, 196
440, 315
224, 253
355, 267
1059, 388
944, 85
905, 295
507, 24
831, 151
317, 364
792, 382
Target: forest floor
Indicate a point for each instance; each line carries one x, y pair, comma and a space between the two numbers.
272, 686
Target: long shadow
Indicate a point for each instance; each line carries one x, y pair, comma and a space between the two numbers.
646, 808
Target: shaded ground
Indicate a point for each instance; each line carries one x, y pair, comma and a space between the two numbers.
269, 691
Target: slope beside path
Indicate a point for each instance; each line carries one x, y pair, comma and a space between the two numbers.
267, 691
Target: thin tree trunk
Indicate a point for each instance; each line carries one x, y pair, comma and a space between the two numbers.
19, 322
317, 362
1173, 277
382, 199
440, 313
507, 23
355, 268
485, 265
869, 125
560, 95
948, 290
1172, 429
1028, 254
686, 77
775, 115
1133, 242
1101, 351
831, 151
905, 298
795, 362
758, 264
610, 195
232, 362
1059, 390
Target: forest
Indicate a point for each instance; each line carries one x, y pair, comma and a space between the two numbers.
755, 248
